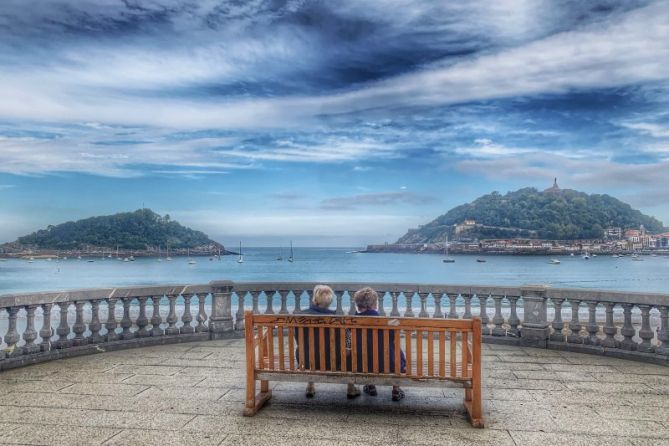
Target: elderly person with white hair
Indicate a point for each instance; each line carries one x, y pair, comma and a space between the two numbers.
367, 303
320, 305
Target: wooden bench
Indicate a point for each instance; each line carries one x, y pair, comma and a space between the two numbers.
439, 353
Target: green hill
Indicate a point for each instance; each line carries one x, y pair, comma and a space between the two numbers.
128, 230
557, 214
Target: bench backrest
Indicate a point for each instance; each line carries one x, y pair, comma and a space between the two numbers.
446, 349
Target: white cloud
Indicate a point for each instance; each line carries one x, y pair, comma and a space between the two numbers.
654, 130
630, 49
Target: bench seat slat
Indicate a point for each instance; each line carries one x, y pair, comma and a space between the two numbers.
361, 378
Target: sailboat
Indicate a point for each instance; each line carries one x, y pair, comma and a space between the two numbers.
168, 258
447, 259
291, 259
241, 257
190, 261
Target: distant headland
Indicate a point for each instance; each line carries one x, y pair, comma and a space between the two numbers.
529, 221
141, 233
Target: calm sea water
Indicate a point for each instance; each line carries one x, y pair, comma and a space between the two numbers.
335, 265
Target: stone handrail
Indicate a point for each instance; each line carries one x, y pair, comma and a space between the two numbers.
622, 324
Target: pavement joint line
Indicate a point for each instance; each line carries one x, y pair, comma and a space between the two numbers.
224, 393
128, 377
64, 387
112, 436
141, 391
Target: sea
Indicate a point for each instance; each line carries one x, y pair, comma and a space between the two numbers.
339, 265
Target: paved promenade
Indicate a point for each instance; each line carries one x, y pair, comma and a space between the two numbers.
193, 394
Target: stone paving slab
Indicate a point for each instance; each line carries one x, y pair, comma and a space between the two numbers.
194, 393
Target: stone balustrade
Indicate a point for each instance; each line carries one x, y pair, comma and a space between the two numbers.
44, 326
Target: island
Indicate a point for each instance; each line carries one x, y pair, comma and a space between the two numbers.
528, 221
142, 233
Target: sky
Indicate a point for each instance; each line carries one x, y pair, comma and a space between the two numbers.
331, 123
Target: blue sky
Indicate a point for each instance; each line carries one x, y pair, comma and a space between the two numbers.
329, 123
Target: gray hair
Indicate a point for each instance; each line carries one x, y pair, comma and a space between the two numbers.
366, 298
323, 295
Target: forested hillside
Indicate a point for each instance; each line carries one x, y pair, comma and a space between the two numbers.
561, 214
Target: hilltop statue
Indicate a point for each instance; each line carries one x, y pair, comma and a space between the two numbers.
554, 187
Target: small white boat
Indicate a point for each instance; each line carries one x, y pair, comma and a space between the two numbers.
132, 258
586, 256
447, 259
481, 260
241, 257
637, 259
554, 262
572, 254
192, 262
125, 259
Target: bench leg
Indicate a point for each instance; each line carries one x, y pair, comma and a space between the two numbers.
474, 407
255, 402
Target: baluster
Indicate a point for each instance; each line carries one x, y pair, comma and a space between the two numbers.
126, 322
557, 324
437, 305
498, 319
63, 329
382, 295
395, 312
298, 302
609, 327
143, 321
172, 328
339, 295
79, 326
111, 323
353, 309
645, 333
156, 318
46, 332
513, 318
310, 295
239, 317
663, 332
468, 307
270, 297
30, 334
592, 326
12, 336
95, 326
254, 301
408, 296
628, 330
2, 352
423, 305
284, 301
575, 325
483, 314
187, 317
452, 310
202, 314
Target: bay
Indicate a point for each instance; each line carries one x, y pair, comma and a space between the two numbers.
339, 265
